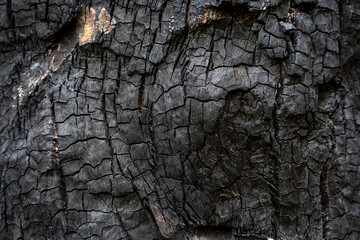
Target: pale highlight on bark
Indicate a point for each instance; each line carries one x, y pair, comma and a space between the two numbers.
89, 23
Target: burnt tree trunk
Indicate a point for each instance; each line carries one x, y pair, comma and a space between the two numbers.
178, 119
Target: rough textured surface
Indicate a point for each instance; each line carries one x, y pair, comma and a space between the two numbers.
180, 120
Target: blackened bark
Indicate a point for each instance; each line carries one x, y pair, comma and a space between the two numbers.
180, 119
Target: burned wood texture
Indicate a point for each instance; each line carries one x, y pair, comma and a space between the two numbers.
176, 119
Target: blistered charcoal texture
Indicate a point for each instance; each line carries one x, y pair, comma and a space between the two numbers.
170, 119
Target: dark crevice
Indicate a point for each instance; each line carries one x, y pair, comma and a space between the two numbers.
47, 10
151, 131
22, 230
323, 187
273, 185
107, 133
3, 185
214, 231
277, 104
324, 195
232, 9
66, 31
275, 147
304, 7
212, 43
141, 93
161, 12
117, 215
62, 187
187, 15
9, 14
11, 19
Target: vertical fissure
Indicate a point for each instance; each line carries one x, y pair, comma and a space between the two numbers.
62, 184
275, 154
273, 185
113, 159
107, 134
324, 198
3, 191
187, 13
141, 93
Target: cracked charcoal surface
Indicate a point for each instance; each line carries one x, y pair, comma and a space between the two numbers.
180, 119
